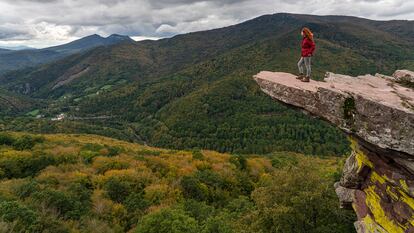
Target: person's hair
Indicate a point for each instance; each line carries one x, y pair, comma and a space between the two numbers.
308, 33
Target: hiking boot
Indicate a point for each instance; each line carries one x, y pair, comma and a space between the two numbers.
300, 76
306, 79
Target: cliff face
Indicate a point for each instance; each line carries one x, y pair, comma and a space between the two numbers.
378, 115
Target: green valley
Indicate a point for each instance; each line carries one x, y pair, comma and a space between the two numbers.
196, 90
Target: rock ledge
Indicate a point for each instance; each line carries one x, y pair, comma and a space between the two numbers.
377, 112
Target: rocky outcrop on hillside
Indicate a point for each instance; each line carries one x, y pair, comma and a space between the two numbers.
377, 112
404, 76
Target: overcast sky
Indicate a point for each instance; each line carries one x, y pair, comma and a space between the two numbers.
41, 23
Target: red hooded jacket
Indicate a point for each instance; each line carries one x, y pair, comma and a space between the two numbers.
308, 47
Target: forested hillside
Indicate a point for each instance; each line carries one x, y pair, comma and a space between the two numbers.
86, 183
12, 103
196, 90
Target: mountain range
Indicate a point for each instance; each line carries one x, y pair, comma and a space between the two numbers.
196, 90
16, 48
13, 59
4, 51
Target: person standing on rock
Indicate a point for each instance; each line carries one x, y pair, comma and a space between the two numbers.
308, 47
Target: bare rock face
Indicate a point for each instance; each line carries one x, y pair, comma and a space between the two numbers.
378, 114
404, 76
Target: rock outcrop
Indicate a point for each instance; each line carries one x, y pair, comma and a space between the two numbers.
378, 115
404, 76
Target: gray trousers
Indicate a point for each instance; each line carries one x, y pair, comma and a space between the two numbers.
305, 62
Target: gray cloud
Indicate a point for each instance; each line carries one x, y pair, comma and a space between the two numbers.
46, 22
10, 31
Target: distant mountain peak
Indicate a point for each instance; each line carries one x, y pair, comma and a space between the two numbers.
119, 37
93, 36
90, 41
116, 36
